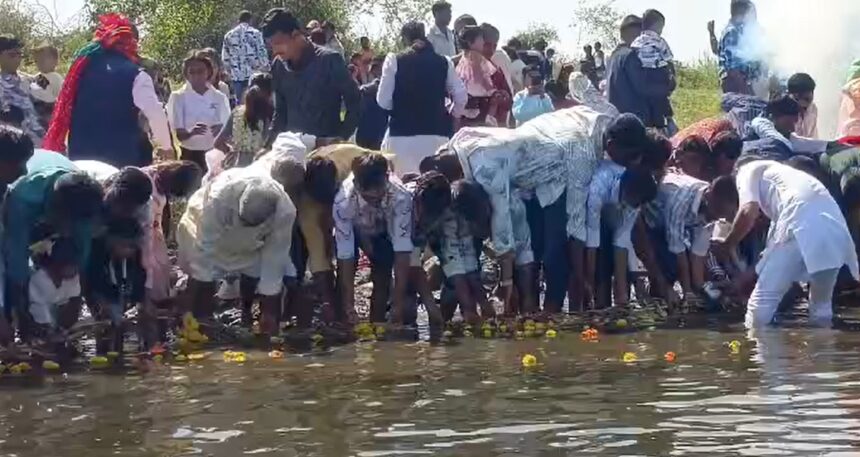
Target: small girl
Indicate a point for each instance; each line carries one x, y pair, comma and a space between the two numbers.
55, 287
244, 134
197, 111
483, 106
532, 101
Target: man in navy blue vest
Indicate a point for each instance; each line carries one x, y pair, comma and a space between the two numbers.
103, 95
414, 87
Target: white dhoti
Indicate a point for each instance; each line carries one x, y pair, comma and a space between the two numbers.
409, 151
780, 267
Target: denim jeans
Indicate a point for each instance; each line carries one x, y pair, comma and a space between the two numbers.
239, 88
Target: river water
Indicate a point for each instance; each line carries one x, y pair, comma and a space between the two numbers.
785, 392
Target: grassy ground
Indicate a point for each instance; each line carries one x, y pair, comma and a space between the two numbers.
698, 93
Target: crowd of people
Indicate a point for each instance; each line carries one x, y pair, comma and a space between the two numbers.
300, 167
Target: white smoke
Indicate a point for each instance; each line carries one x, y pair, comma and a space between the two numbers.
819, 37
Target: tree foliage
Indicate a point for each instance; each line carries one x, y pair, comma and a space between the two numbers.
536, 32
26, 20
598, 20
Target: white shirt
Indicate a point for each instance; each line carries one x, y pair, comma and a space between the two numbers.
45, 296
213, 242
50, 93
799, 208
442, 41
501, 60
99, 171
187, 107
453, 85
146, 100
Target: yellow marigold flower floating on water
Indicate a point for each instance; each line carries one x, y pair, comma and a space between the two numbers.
551, 333
629, 357
735, 346
529, 361
235, 356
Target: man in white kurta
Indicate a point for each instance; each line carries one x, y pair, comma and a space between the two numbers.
240, 223
808, 240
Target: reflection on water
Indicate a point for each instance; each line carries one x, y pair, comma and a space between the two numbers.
786, 392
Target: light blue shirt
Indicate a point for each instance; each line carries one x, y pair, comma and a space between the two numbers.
527, 107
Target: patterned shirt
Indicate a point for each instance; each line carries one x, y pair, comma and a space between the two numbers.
653, 50
553, 154
15, 92
731, 55
676, 210
604, 197
244, 52
392, 216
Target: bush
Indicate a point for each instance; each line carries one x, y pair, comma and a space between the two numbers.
698, 94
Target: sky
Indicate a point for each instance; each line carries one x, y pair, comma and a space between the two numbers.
685, 28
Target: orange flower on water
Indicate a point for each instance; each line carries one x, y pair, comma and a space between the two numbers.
590, 335
670, 357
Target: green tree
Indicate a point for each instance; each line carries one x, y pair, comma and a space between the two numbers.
536, 32
598, 20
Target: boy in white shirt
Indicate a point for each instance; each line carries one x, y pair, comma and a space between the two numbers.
55, 287
45, 86
197, 111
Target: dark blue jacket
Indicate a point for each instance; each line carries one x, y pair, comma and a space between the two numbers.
641, 91
105, 123
374, 120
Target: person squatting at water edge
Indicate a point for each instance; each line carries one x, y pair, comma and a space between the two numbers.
582, 209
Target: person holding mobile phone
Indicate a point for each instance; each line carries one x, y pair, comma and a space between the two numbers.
197, 111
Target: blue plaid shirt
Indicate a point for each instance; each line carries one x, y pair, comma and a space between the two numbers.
730, 56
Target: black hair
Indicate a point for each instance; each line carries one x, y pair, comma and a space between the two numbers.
446, 163
533, 77
550, 51
651, 17
8, 42
639, 183
465, 20
125, 228
728, 144
328, 25
725, 188
783, 105
515, 43
439, 7
491, 33
739, 7
64, 251
78, 195
800, 83
245, 16
432, 194
15, 145
413, 31
279, 20
805, 164
695, 144
131, 186
657, 151
468, 35
511, 52
258, 108
631, 20
597, 44
627, 131
318, 36
371, 171
469, 200
262, 80
540, 44
321, 179
201, 57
